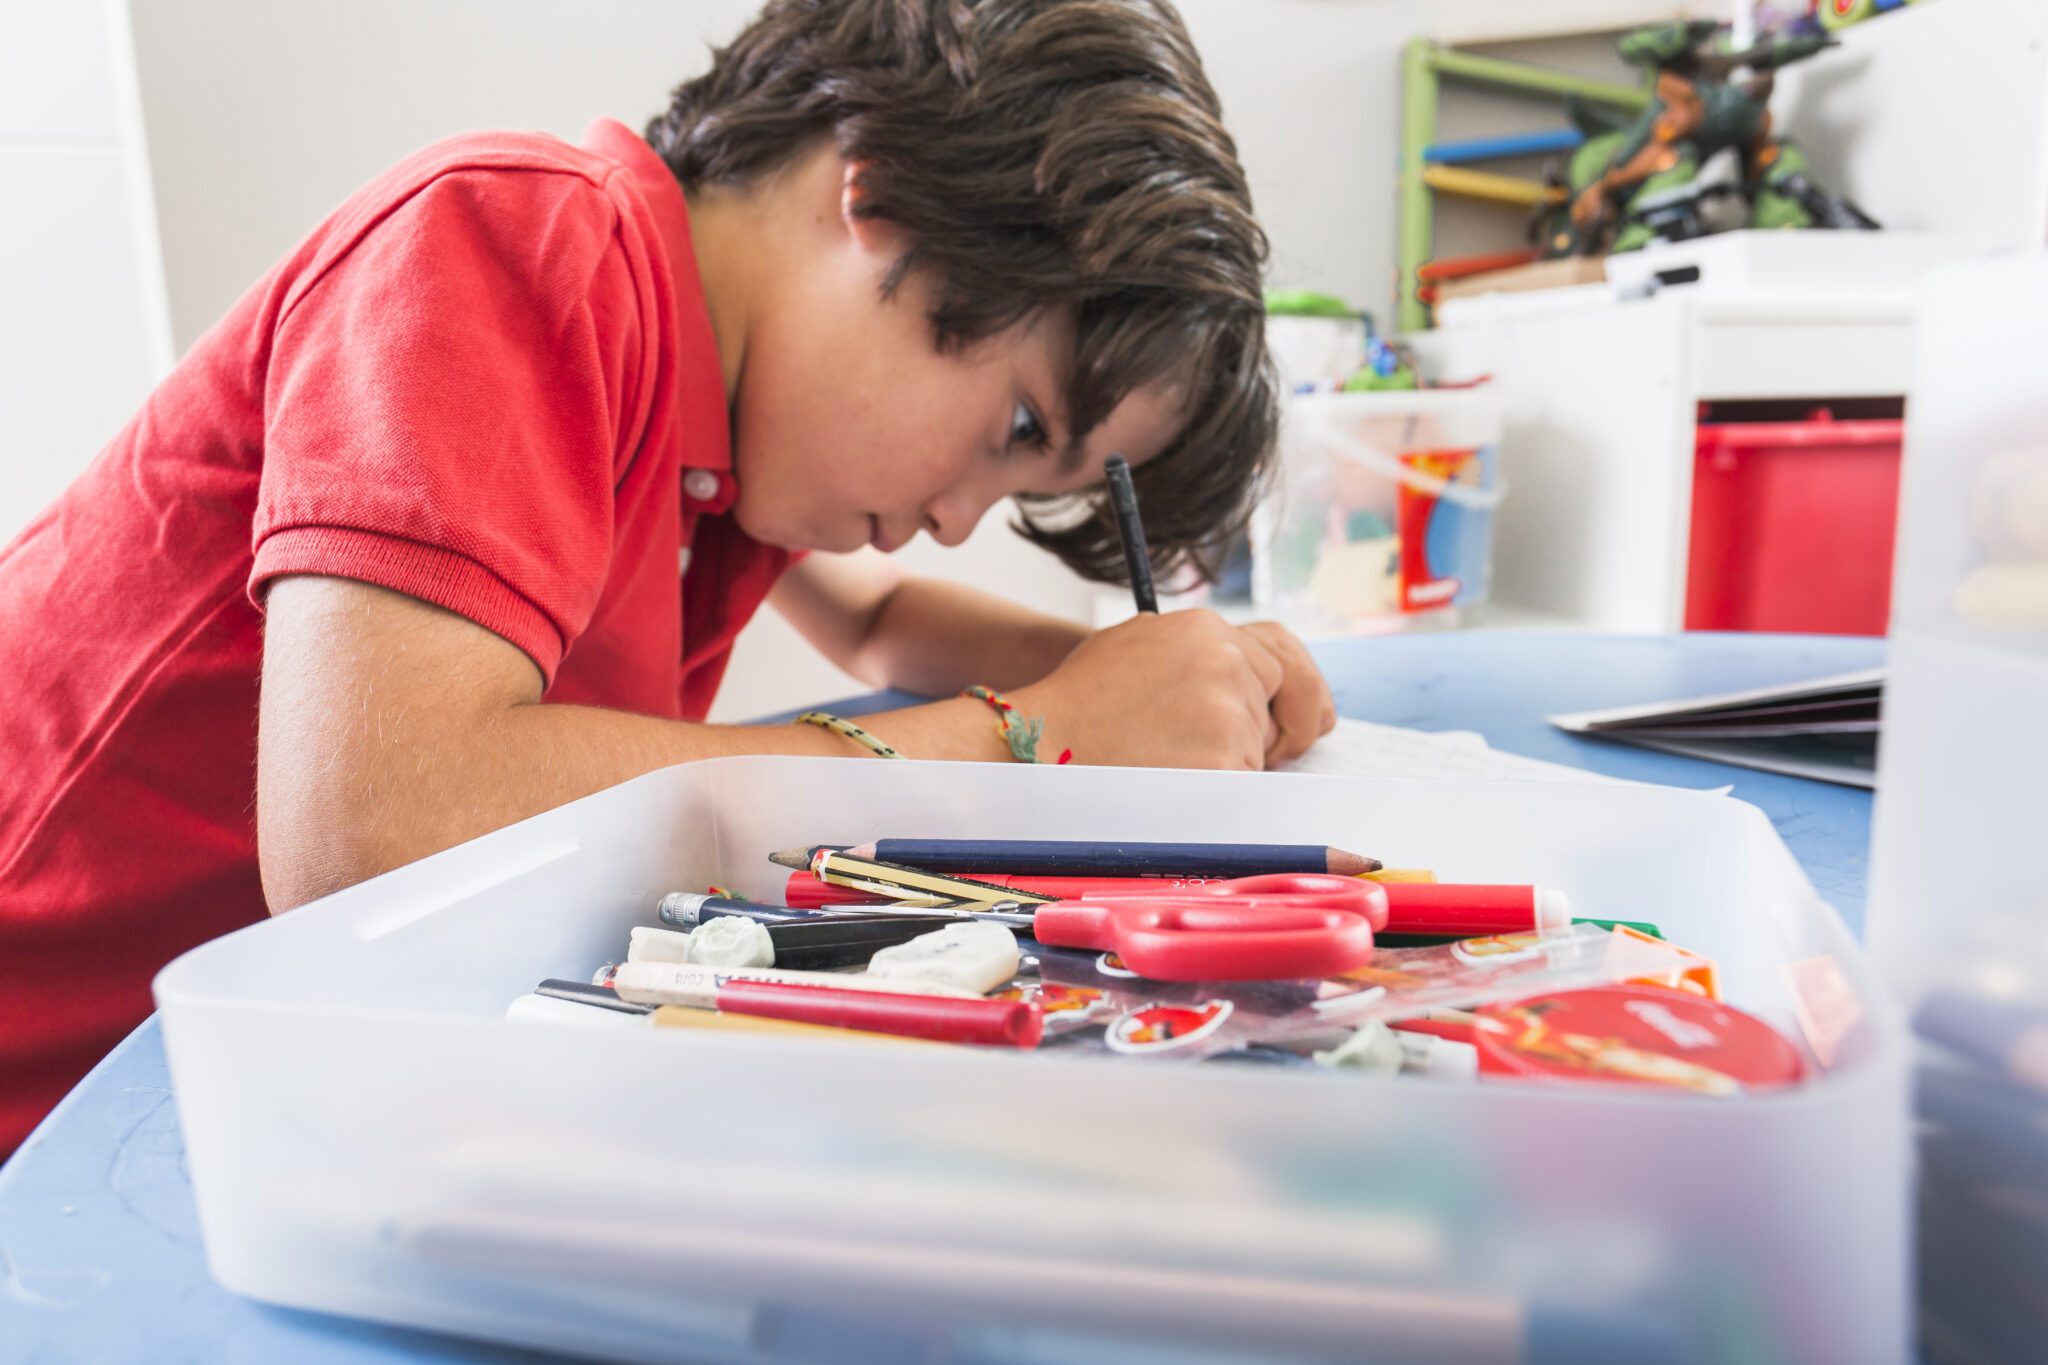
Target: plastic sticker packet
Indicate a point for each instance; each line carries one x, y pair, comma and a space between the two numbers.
1095, 1006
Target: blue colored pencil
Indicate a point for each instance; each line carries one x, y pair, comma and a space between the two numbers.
1073, 857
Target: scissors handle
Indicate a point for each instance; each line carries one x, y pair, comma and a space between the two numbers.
1201, 938
1317, 889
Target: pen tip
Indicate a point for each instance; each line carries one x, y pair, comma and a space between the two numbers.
798, 859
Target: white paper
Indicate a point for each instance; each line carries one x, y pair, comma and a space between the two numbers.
1359, 748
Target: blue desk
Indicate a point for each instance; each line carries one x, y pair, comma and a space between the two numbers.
100, 1257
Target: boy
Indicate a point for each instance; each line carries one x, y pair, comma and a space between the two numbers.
454, 516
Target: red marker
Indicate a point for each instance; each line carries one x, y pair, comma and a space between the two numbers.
1472, 911
1412, 907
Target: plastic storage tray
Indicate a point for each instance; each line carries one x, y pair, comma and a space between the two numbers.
1958, 890
367, 1135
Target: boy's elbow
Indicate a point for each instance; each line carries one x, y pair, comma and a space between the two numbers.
321, 828
297, 869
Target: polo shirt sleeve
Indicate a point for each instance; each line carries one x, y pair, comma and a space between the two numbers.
443, 406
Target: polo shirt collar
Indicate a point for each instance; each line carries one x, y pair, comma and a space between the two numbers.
708, 484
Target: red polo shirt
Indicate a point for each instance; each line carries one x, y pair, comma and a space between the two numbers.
487, 381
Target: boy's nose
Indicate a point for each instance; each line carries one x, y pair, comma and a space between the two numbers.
952, 516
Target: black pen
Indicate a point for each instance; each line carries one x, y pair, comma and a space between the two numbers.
1137, 562
809, 940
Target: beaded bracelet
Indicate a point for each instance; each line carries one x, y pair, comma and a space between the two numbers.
841, 726
1021, 735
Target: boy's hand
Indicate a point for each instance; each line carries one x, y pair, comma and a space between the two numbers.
1183, 690
1303, 708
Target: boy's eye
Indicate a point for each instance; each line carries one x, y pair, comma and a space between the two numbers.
1025, 428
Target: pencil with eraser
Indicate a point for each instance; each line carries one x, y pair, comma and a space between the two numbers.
901, 1009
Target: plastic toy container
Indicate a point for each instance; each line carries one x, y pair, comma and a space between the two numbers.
1382, 509
1959, 892
1792, 526
368, 1135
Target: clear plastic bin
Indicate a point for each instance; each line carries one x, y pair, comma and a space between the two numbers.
1959, 891
367, 1135
1382, 510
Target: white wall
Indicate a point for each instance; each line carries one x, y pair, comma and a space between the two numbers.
263, 116
1934, 118
83, 331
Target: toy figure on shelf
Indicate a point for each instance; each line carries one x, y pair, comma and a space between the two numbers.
1699, 159
1385, 367
1833, 14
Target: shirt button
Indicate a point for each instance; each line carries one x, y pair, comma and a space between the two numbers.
701, 485
683, 560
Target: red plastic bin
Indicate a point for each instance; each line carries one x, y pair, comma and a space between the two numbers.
1792, 526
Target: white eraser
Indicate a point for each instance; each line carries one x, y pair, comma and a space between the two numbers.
1553, 908
548, 1009
973, 955
1374, 1049
1428, 1055
657, 945
731, 941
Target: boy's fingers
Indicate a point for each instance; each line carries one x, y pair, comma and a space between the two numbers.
1302, 707
1258, 730
1297, 711
1266, 664
1269, 677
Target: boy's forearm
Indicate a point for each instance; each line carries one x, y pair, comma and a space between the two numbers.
391, 729
330, 824
934, 638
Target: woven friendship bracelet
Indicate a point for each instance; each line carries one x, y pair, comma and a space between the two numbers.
1020, 734
827, 721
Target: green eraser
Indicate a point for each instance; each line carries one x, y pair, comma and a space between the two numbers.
1640, 926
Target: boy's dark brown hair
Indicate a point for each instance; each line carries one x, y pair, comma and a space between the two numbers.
1038, 154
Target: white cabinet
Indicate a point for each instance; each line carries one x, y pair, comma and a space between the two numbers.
1602, 396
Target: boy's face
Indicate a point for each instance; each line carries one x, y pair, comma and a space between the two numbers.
851, 428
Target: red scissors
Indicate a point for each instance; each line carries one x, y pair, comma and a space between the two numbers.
1282, 925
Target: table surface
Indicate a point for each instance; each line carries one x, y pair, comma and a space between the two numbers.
100, 1255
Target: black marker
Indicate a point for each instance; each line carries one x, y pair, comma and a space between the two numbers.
1137, 562
688, 909
809, 940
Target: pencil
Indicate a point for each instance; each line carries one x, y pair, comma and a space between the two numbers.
1013, 1023
685, 1016
687, 983
1123, 499
895, 880
1097, 858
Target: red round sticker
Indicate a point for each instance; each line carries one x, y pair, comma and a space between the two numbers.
1637, 1035
1162, 1028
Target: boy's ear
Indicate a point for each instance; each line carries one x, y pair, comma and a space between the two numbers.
875, 236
